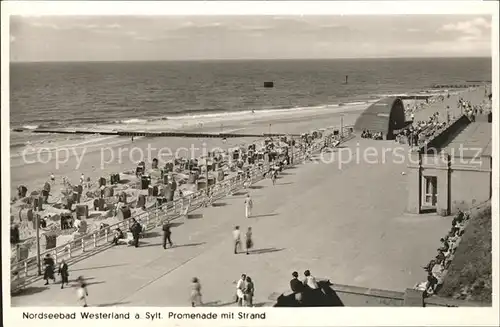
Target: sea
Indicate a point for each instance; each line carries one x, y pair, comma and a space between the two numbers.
88, 94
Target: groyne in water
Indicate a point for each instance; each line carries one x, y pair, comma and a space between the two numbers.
154, 134
464, 85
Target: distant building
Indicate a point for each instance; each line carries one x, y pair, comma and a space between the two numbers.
384, 116
453, 172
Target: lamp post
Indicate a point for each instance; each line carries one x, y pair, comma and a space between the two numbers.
38, 261
342, 126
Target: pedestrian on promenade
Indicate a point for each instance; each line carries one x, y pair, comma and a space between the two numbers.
136, 230
248, 206
196, 292
166, 235
240, 287
52, 178
274, 175
248, 239
248, 180
63, 271
48, 273
237, 239
81, 291
82, 179
249, 292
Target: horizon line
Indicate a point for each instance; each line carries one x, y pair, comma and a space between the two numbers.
242, 59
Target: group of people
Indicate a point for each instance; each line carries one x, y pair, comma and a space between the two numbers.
436, 268
136, 229
237, 240
420, 131
49, 274
49, 270
472, 111
245, 290
304, 287
372, 135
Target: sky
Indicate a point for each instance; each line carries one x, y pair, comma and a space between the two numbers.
130, 38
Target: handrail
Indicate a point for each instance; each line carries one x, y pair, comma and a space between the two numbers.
166, 207
153, 219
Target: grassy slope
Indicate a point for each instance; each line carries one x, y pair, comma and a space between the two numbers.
470, 273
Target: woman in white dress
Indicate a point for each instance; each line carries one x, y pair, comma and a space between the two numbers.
248, 206
196, 293
81, 291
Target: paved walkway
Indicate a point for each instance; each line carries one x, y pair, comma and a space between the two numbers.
345, 224
475, 96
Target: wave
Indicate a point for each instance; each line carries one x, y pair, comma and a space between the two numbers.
18, 145
197, 115
133, 121
31, 127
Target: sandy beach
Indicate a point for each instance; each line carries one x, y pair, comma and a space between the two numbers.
100, 156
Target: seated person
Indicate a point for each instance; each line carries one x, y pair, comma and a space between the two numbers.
118, 235
445, 246
431, 283
440, 257
438, 272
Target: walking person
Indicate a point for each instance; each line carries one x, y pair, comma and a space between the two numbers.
48, 272
237, 239
240, 287
136, 230
166, 235
249, 292
195, 292
81, 291
52, 178
63, 271
248, 206
248, 239
274, 176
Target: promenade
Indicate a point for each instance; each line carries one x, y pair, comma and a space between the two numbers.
474, 95
347, 224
